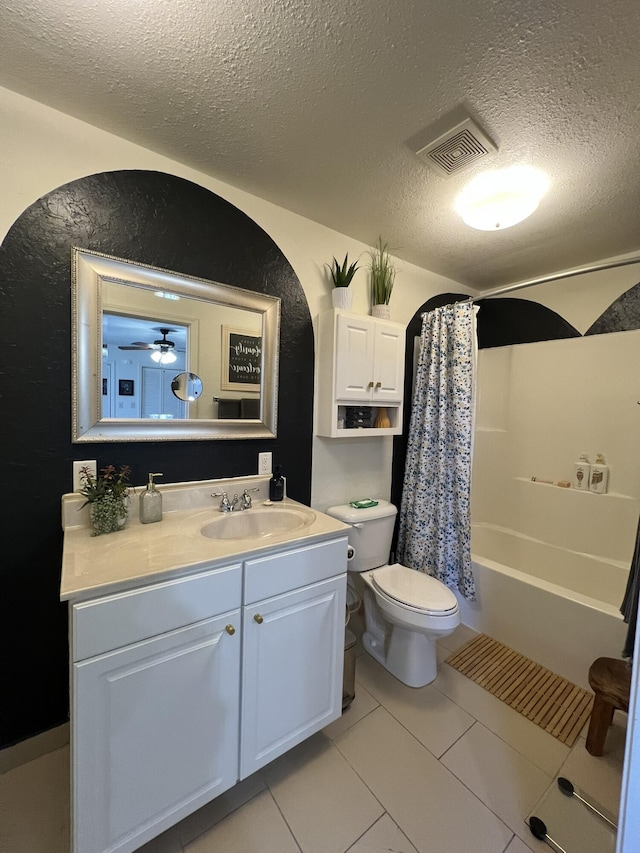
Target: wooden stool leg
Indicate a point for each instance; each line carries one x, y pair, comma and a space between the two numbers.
601, 719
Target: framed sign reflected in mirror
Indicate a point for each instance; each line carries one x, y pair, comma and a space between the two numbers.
151, 326
241, 360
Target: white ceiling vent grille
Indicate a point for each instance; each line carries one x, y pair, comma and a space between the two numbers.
456, 149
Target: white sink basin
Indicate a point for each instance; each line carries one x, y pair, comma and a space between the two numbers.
257, 523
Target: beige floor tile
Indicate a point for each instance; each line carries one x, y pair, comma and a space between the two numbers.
458, 638
539, 747
363, 704
258, 827
600, 777
383, 837
34, 805
215, 811
518, 846
429, 715
433, 808
502, 778
326, 805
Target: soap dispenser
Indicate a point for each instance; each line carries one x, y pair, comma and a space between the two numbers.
151, 502
599, 475
276, 485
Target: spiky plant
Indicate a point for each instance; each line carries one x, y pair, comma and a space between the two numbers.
342, 275
383, 274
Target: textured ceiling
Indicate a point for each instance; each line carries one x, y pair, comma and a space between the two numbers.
313, 105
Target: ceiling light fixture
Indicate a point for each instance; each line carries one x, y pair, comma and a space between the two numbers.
164, 354
496, 200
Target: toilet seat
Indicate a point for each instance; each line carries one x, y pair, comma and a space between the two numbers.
413, 590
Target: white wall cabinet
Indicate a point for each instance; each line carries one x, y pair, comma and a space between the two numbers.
181, 688
361, 363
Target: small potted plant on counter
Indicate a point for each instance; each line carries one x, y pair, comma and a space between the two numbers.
107, 496
383, 276
341, 296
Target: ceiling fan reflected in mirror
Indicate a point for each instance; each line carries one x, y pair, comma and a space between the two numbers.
162, 349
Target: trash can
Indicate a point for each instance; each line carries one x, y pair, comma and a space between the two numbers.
349, 677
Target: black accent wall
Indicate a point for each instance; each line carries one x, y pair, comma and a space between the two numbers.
157, 219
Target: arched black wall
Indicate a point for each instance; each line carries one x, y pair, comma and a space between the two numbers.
156, 219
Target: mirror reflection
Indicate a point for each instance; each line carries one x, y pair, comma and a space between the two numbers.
187, 387
170, 349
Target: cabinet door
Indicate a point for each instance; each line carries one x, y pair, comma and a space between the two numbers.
292, 672
155, 733
354, 358
388, 366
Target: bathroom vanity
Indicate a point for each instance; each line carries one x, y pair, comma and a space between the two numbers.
196, 657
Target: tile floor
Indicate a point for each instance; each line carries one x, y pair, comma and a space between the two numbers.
444, 769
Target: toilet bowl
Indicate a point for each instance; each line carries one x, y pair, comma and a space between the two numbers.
406, 611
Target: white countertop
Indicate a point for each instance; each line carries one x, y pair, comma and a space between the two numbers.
143, 553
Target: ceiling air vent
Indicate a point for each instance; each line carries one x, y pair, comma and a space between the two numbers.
456, 149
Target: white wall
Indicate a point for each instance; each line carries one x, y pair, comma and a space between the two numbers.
540, 405
41, 149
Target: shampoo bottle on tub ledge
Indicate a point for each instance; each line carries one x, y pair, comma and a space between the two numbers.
582, 473
599, 476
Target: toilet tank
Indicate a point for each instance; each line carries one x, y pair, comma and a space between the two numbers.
370, 534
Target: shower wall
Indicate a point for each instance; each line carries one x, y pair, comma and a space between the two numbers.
539, 406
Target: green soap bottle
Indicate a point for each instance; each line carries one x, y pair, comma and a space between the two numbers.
151, 502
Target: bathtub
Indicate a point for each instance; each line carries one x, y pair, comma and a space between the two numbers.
558, 607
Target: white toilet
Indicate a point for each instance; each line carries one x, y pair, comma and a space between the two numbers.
406, 611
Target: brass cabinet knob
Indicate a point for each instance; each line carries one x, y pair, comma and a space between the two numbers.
258, 618
230, 629
378, 384
370, 385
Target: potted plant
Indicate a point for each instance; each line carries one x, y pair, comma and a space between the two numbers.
383, 275
341, 276
107, 496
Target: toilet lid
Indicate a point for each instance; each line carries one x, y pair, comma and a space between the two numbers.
414, 589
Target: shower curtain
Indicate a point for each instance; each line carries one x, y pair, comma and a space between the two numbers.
435, 525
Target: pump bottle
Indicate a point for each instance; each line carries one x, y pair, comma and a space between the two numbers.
599, 475
151, 502
276, 485
582, 473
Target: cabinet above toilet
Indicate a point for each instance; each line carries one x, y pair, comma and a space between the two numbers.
361, 369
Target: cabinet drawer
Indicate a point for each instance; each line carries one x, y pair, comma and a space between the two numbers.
117, 620
280, 573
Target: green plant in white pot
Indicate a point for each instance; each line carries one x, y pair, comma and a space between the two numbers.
383, 275
341, 276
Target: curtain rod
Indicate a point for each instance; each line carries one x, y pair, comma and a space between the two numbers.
556, 276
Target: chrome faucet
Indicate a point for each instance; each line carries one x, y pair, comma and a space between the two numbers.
237, 503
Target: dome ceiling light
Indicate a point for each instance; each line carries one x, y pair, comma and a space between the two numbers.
496, 200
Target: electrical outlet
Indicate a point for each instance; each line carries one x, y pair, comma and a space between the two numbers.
77, 480
265, 462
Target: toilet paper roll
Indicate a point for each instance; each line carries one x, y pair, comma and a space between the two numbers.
351, 552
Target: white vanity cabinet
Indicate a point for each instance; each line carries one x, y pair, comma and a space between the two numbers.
361, 364
182, 688
293, 649
155, 707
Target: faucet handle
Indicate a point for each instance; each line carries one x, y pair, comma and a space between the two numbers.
224, 503
246, 498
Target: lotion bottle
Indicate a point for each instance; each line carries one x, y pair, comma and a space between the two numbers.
599, 476
276, 485
582, 473
151, 502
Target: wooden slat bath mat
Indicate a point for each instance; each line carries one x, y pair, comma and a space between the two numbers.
553, 703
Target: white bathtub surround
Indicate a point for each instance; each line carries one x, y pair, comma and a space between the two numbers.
435, 515
556, 606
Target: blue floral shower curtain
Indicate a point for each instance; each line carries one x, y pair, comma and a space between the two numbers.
435, 524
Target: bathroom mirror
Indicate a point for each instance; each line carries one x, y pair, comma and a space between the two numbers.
138, 330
